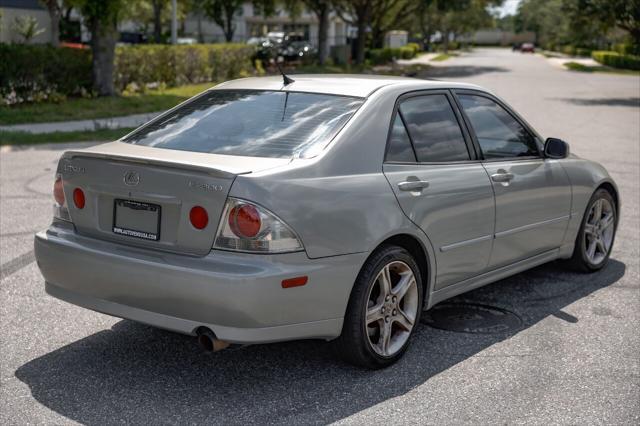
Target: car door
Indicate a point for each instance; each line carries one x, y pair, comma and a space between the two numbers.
431, 166
533, 194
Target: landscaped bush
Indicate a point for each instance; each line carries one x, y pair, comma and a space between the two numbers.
616, 60
177, 65
583, 51
387, 54
626, 49
35, 73
414, 46
575, 51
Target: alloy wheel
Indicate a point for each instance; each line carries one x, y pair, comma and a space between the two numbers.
392, 308
598, 231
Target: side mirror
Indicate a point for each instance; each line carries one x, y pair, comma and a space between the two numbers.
556, 148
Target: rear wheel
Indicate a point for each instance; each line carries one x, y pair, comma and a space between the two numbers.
597, 232
383, 311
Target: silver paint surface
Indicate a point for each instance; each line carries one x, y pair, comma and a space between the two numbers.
343, 203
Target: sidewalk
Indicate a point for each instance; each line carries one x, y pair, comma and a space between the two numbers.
83, 125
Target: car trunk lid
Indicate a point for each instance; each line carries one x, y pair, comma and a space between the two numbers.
142, 196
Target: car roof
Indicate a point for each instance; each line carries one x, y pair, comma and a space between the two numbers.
361, 85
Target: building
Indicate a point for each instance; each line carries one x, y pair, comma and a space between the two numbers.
250, 24
10, 10
494, 36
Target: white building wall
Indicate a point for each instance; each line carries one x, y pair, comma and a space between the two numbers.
7, 20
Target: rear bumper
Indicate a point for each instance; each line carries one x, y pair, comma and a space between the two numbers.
238, 296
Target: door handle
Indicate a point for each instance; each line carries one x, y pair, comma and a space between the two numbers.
502, 177
413, 185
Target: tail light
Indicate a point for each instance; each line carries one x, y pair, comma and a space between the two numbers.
60, 210
248, 227
198, 217
78, 198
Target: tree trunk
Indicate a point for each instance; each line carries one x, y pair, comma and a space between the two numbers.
54, 15
157, 21
360, 41
323, 27
364, 15
200, 36
228, 24
103, 49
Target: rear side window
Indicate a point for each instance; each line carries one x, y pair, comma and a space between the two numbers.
434, 129
499, 134
250, 123
399, 143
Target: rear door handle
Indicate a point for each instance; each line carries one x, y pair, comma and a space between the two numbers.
502, 177
413, 185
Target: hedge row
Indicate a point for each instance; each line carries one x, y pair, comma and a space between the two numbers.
177, 65
34, 73
616, 60
576, 51
387, 54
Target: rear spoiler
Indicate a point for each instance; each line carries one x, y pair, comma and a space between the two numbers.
224, 166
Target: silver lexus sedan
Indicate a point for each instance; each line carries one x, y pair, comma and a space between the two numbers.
331, 207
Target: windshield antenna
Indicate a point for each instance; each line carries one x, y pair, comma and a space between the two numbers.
285, 78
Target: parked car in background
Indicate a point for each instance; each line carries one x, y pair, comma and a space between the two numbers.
527, 48
329, 207
297, 50
130, 37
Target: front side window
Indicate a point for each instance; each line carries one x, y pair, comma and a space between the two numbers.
434, 129
499, 134
250, 123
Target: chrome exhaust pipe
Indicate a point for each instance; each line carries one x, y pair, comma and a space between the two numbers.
209, 342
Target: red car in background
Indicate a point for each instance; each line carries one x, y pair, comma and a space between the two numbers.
527, 48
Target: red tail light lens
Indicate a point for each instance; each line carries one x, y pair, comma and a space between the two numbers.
78, 198
199, 217
245, 221
58, 192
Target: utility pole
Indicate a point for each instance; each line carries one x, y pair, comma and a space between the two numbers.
174, 22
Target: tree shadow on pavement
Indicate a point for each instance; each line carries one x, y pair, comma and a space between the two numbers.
624, 102
133, 373
457, 71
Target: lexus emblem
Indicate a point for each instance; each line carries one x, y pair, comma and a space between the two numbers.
131, 178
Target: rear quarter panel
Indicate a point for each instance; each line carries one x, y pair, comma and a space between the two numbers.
338, 202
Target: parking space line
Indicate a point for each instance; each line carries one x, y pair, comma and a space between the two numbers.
14, 265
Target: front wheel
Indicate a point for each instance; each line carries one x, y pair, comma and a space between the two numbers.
383, 311
597, 232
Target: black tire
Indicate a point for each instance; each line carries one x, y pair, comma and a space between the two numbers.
580, 260
354, 345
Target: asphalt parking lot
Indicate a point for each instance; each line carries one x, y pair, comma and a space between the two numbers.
571, 355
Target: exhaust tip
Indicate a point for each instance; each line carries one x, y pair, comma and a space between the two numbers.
208, 341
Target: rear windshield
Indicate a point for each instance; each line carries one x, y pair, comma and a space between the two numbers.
252, 123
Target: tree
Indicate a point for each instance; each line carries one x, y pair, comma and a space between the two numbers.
158, 6
222, 12
54, 7
101, 18
357, 13
388, 15
26, 27
624, 14
321, 8
196, 7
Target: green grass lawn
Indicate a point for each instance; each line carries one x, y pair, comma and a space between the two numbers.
87, 109
24, 138
575, 66
444, 56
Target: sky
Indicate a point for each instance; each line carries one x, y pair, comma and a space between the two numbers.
509, 7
